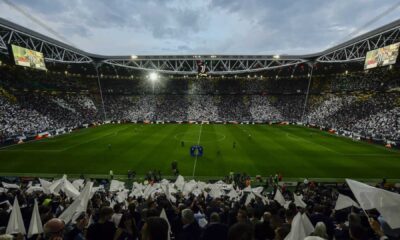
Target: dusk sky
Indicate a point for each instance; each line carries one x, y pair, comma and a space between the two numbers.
147, 27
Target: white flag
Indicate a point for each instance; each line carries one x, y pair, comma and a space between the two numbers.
78, 205
16, 223
78, 183
45, 185
308, 226
180, 181
387, 203
32, 189
10, 185
363, 193
189, 187
233, 194
298, 201
69, 189
344, 201
163, 215
35, 226
280, 198
56, 185
301, 227
116, 186
249, 197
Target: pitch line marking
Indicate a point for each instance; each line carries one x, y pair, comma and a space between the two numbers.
198, 142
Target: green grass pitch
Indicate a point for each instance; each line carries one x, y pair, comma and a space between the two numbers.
294, 151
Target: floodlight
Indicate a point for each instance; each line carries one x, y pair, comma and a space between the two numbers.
276, 56
134, 57
153, 76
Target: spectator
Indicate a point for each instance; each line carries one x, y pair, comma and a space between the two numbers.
104, 228
155, 228
215, 230
190, 228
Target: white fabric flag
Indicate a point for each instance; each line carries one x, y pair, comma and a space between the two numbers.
78, 205
308, 226
56, 185
45, 185
148, 191
363, 193
69, 189
116, 186
16, 223
301, 227
387, 203
249, 197
189, 187
298, 201
180, 181
10, 185
280, 198
215, 191
247, 189
257, 192
163, 215
166, 189
233, 194
32, 189
35, 226
344, 201
78, 183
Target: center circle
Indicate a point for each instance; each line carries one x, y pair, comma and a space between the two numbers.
193, 137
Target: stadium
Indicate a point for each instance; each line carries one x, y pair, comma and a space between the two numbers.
270, 146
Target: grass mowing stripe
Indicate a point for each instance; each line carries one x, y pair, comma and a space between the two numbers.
198, 143
149, 147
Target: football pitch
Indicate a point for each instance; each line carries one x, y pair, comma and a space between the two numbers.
294, 151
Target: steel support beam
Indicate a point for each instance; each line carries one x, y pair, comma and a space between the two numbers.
356, 51
51, 51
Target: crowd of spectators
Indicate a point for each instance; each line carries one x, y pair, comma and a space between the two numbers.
15, 120
375, 115
195, 210
365, 103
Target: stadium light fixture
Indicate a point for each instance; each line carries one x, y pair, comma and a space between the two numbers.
276, 56
153, 76
346, 72
134, 57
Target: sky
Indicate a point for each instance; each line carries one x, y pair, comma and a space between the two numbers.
169, 27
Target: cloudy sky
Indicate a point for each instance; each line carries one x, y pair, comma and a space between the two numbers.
124, 27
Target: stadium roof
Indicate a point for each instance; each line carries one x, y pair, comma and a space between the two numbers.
54, 50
